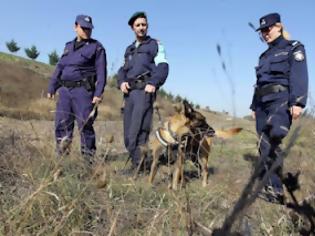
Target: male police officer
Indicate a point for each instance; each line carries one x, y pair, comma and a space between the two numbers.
144, 71
280, 95
80, 77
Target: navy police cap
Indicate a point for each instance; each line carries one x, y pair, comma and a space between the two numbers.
84, 21
268, 20
139, 14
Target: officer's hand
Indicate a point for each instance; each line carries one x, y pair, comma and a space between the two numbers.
96, 100
124, 87
254, 115
149, 88
296, 112
50, 96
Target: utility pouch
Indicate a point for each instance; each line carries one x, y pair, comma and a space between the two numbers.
89, 82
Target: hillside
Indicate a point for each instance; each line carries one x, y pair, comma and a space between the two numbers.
42, 195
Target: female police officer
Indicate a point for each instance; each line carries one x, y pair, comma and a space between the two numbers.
280, 95
144, 71
80, 78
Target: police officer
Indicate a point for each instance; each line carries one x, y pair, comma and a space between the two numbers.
145, 69
80, 78
280, 95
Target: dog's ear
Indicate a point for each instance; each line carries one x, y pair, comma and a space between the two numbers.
200, 116
188, 109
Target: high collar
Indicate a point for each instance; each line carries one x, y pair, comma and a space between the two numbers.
82, 40
79, 44
146, 40
277, 42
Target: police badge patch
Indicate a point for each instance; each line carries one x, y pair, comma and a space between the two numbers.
65, 52
298, 56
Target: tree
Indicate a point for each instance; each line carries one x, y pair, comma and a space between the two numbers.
112, 81
178, 98
162, 93
12, 46
53, 58
32, 52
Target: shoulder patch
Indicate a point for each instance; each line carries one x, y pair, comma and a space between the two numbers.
298, 55
160, 56
65, 51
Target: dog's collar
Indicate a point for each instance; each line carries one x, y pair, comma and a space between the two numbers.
159, 137
173, 134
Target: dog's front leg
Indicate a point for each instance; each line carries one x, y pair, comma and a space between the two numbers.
179, 169
156, 152
203, 160
204, 171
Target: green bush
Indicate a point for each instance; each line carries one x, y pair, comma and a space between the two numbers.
32, 52
12, 46
53, 58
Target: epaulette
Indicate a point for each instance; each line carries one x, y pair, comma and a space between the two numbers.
93, 41
263, 53
67, 43
295, 44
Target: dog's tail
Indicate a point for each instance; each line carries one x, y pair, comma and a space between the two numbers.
227, 133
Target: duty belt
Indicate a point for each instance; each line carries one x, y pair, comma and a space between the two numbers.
139, 83
269, 89
87, 82
72, 84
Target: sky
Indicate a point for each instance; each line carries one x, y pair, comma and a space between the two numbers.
189, 30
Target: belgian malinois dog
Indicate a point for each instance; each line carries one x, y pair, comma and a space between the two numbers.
190, 135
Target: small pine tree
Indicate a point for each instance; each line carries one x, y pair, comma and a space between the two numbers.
32, 52
12, 46
112, 81
170, 96
162, 93
178, 98
53, 58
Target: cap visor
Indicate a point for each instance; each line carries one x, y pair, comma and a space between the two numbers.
264, 27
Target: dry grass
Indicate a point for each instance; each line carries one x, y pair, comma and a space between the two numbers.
41, 195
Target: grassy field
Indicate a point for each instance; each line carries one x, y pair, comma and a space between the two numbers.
42, 195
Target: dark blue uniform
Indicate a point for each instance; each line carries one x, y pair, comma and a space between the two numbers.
80, 63
282, 81
142, 66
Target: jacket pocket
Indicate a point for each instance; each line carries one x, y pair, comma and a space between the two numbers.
279, 65
87, 55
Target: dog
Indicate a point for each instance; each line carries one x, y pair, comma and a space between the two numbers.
188, 133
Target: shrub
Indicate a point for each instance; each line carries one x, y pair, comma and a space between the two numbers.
53, 58
12, 46
32, 52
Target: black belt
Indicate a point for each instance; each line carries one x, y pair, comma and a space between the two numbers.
140, 82
137, 84
269, 89
72, 84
